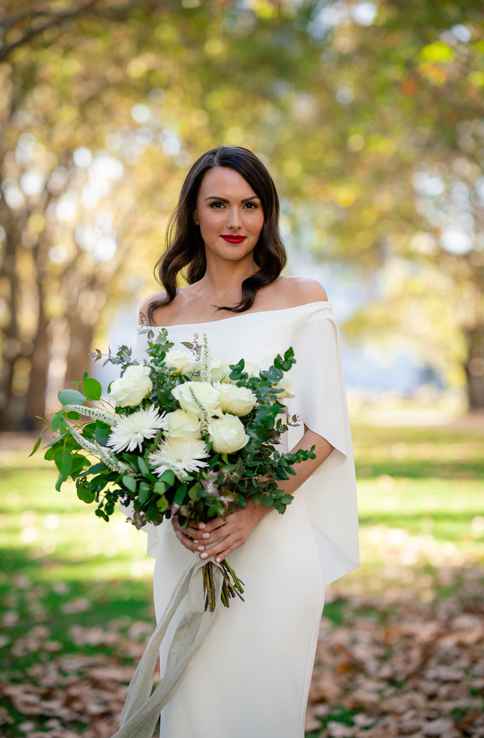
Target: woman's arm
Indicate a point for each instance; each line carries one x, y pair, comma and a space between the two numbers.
221, 536
303, 469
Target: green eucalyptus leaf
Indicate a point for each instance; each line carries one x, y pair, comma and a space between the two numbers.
162, 504
143, 467
168, 476
180, 494
72, 415
94, 469
129, 482
79, 462
98, 483
71, 397
144, 492
36, 446
50, 453
85, 493
91, 387
194, 490
63, 461
58, 423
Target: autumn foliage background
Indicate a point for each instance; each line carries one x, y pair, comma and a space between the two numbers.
369, 116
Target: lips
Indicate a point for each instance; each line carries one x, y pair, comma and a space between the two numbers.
234, 239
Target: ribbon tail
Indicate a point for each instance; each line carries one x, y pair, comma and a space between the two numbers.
142, 706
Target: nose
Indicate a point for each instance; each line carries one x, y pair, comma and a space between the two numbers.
234, 219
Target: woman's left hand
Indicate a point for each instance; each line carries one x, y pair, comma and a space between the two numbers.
224, 538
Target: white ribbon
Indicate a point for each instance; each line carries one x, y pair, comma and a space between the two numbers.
142, 707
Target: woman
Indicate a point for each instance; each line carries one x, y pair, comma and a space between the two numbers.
250, 678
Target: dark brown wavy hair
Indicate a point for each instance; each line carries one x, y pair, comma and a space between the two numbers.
184, 243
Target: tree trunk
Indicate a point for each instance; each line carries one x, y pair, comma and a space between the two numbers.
11, 348
35, 401
80, 344
474, 367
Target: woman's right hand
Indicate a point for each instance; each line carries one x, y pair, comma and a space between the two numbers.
189, 537
193, 538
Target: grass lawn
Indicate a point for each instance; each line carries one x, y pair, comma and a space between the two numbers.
76, 598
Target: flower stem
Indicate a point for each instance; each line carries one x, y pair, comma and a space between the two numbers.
231, 585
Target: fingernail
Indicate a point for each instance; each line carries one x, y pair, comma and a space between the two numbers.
201, 525
201, 548
205, 535
194, 541
203, 556
218, 558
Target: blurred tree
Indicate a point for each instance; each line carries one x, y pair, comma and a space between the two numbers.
421, 69
101, 106
368, 114
392, 162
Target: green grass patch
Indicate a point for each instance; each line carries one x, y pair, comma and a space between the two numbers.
419, 489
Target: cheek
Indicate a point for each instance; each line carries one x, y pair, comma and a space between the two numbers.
211, 219
256, 223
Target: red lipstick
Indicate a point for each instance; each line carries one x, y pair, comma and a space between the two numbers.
233, 239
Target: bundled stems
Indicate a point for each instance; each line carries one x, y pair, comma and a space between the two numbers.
231, 586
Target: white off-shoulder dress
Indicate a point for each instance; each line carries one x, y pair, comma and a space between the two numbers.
250, 678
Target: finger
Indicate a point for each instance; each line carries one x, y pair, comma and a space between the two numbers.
220, 534
188, 543
179, 532
211, 525
189, 531
219, 548
224, 554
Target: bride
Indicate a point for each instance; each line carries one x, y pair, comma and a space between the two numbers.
251, 675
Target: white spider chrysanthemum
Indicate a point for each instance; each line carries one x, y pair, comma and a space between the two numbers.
131, 430
181, 455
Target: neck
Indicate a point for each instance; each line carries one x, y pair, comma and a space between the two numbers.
223, 281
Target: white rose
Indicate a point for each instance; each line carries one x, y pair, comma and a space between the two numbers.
132, 387
180, 359
179, 424
236, 400
206, 395
218, 370
227, 434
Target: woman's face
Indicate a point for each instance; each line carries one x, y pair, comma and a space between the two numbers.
227, 205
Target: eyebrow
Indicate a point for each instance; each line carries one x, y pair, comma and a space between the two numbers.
216, 197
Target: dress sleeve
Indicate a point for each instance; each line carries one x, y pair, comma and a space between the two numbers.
320, 402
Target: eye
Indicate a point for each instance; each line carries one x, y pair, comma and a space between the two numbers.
215, 203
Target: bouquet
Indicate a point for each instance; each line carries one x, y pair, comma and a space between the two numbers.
181, 433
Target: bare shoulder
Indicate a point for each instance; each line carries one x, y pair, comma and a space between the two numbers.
145, 304
155, 298
306, 289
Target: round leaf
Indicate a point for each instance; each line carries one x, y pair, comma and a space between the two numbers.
129, 482
86, 494
71, 397
63, 461
160, 488
91, 388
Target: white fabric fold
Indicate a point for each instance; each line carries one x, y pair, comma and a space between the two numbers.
142, 706
320, 402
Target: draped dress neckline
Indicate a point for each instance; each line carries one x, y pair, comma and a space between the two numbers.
273, 311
